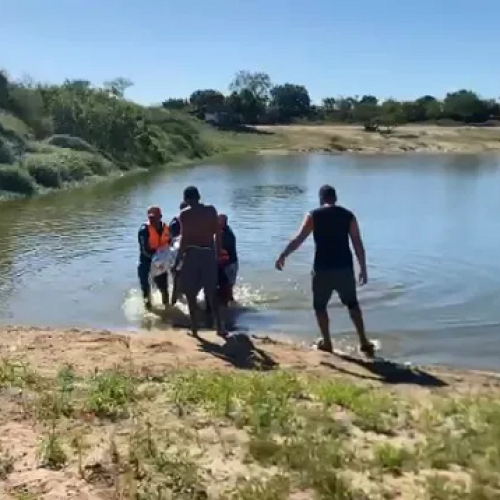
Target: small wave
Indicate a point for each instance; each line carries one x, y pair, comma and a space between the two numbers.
251, 297
134, 310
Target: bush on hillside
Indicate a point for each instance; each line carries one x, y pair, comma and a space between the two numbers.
54, 169
45, 175
27, 103
41, 147
70, 142
6, 151
10, 124
16, 180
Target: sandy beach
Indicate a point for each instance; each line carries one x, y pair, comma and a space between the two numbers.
101, 415
405, 139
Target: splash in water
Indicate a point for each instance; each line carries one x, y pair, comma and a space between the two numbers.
134, 310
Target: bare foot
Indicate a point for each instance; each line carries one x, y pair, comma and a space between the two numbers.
368, 350
321, 346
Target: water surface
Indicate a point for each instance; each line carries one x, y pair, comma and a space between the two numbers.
430, 224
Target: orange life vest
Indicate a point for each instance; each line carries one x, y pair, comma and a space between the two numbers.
156, 240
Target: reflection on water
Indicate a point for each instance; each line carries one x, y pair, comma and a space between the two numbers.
429, 224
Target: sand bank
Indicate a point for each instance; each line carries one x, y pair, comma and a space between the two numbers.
101, 415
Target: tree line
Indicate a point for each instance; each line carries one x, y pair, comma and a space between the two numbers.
254, 99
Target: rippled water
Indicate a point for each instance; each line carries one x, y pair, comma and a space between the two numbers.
430, 223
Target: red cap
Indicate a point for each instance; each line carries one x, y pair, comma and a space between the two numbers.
154, 211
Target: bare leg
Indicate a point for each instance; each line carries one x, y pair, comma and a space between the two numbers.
161, 283
324, 328
208, 311
213, 301
357, 319
143, 272
175, 289
193, 313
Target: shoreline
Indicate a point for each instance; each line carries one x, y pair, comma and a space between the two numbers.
407, 139
283, 140
95, 415
18, 341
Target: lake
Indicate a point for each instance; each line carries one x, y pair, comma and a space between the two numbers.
430, 223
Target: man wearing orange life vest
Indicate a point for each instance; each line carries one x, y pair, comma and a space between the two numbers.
153, 235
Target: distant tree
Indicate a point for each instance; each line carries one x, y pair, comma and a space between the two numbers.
247, 106
368, 99
290, 101
206, 98
345, 108
77, 84
493, 109
466, 106
391, 115
258, 83
118, 86
367, 113
175, 103
430, 109
329, 104
4, 90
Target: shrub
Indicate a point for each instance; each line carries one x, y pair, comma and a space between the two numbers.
11, 124
52, 169
45, 175
70, 142
6, 152
16, 180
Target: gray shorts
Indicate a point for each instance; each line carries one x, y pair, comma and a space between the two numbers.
198, 271
327, 281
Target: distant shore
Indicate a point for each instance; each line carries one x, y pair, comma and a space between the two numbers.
94, 415
405, 139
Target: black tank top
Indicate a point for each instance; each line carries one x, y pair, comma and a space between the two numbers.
331, 236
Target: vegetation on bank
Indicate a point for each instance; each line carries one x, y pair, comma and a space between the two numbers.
127, 434
51, 135
254, 99
55, 135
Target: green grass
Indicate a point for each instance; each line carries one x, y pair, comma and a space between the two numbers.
11, 123
194, 434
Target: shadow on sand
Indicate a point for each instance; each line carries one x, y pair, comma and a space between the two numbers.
239, 351
387, 371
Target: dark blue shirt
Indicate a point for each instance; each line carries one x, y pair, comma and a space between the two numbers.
229, 244
175, 227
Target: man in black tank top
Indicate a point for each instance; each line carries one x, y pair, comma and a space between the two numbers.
333, 269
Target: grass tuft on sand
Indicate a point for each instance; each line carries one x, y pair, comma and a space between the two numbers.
210, 434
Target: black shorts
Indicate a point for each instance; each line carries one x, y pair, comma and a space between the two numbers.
327, 281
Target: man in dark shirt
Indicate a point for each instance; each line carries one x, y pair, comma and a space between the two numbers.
153, 235
333, 270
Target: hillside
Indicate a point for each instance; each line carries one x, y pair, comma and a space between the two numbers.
55, 135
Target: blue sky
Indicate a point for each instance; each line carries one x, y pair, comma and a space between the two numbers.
390, 48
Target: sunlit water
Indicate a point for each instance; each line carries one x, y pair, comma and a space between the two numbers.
430, 224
